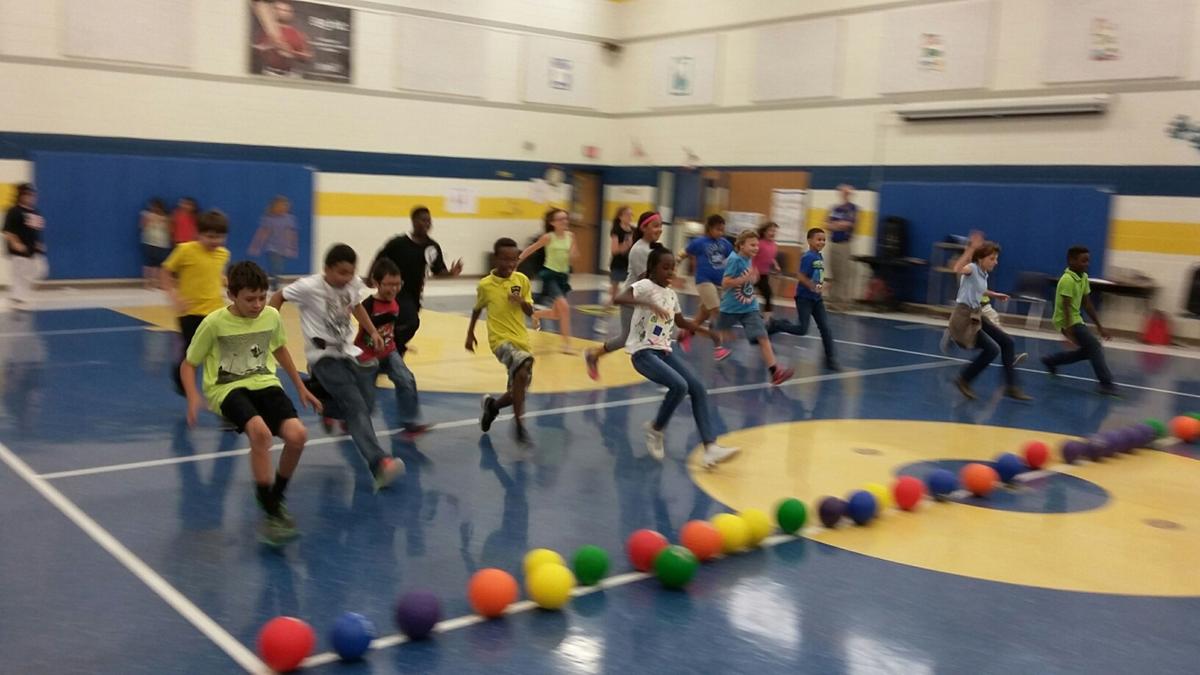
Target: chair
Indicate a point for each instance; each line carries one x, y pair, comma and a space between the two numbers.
1031, 289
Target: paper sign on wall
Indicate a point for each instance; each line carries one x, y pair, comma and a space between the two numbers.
462, 200
788, 211
740, 221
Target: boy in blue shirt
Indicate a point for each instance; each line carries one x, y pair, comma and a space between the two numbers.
739, 304
809, 303
708, 254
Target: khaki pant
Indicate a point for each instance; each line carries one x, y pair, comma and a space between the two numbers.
839, 269
24, 272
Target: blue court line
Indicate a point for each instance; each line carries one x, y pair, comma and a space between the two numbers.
136, 566
166, 461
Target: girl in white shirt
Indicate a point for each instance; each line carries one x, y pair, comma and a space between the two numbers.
656, 312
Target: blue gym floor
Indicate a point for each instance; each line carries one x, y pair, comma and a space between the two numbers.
88, 389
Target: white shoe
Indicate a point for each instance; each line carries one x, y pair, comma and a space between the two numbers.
654, 442
715, 454
1020, 357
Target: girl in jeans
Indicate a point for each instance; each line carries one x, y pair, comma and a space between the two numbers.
967, 326
656, 312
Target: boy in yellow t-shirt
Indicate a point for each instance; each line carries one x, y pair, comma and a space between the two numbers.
508, 298
194, 278
239, 346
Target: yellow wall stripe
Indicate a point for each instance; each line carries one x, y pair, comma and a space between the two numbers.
1154, 236
354, 204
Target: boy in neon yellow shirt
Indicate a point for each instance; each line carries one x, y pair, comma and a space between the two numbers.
239, 347
508, 298
193, 277
1073, 293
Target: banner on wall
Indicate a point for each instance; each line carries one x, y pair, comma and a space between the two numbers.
300, 40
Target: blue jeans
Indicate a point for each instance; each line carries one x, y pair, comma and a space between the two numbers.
992, 341
1089, 348
345, 382
672, 372
807, 309
408, 407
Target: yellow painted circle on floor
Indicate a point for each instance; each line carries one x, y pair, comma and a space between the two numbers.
1112, 549
440, 361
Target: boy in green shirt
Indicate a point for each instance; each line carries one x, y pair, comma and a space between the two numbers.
239, 346
1073, 293
508, 298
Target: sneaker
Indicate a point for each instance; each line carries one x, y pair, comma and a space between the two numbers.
520, 434
591, 361
1108, 390
275, 531
490, 411
715, 454
388, 470
1020, 357
781, 375
412, 431
654, 441
964, 388
1017, 394
721, 353
944, 343
284, 516
833, 367
1050, 368
685, 341
328, 423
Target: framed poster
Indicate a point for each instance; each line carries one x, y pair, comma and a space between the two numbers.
300, 40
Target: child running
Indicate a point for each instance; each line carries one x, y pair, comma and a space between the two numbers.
810, 303
395, 318
709, 255
326, 302
507, 296
650, 228
766, 264
239, 346
655, 315
192, 277
559, 243
739, 306
967, 327
1072, 295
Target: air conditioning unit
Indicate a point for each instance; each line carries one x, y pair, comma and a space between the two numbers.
1006, 107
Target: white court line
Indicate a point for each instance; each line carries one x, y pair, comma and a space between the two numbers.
166, 461
176, 600
997, 365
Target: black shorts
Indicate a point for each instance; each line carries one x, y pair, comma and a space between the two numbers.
272, 404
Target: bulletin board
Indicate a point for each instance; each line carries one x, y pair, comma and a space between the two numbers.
561, 72
797, 60
1116, 39
424, 64
936, 47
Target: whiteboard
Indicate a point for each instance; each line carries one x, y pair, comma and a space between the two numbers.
944, 46
561, 72
797, 60
1116, 39
684, 72
425, 64
158, 32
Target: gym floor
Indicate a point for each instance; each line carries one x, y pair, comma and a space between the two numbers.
127, 543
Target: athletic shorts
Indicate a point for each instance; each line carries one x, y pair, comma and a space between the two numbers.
751, 323
710, 297
272, 404
513, 358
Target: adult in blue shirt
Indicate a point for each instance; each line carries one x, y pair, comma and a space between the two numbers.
839, 270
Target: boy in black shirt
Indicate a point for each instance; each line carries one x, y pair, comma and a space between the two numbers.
415, 255
23, 235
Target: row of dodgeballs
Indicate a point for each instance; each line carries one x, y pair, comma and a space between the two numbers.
284, 642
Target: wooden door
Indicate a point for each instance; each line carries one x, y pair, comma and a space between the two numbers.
585, 220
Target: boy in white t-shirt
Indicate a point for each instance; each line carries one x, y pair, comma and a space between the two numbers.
326, 302
656, 312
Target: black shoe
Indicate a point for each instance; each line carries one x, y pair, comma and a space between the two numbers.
965, 388
490, 411
520, 434
833, 367
1050, 368
1108, 390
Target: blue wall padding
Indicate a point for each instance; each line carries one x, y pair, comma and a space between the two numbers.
91, 204
1034, 225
